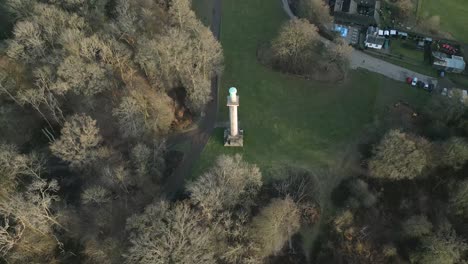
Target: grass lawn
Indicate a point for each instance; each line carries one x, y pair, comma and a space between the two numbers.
204, 10
461, 81
288, 119
453, 16
407, 49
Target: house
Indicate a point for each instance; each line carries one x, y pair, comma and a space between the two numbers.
360, 12
448, 63
403, 35
373, 39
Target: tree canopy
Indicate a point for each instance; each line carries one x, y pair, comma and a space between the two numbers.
398, 156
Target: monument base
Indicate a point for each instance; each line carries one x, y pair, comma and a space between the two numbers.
236, 141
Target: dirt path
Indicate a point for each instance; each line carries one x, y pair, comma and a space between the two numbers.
361, 60
198, 137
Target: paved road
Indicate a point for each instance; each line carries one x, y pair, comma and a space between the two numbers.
198, 137
362, 60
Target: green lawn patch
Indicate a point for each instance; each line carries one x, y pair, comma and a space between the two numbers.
453, 16
406, 49
204, 10
288, 119
461, 81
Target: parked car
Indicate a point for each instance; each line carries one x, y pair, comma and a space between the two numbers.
420, 84
464, 96
430, 87
414, 81
444, 92
409, 80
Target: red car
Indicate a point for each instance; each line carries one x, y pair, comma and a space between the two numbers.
409, 80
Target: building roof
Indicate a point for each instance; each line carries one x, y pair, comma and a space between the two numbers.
354, 19
372, 30
454, 62
375, 40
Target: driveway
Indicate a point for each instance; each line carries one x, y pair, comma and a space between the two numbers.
364, 61
361, 60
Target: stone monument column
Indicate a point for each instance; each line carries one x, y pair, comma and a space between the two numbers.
233, 103
233, 136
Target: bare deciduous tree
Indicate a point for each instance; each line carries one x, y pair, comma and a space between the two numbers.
405, 8
454, 153
274, 225
399, 156
165, 234
102, 252
95, 195
145, 112
230, 182
316, 11
340, 53
88, 79
149, 160
14, 165
79, 139
187, 58
27, 215
295, 45
443, 247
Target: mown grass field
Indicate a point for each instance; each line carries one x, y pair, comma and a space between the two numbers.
204, 9
453, 16
288, 119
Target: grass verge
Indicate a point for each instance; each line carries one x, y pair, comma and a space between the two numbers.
453, 15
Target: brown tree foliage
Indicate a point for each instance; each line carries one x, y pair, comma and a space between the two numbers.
144, 112
79, 137
399, 156
316, 11
27, 221
294, 47
229, 183
274, 226
165, 234
405, 8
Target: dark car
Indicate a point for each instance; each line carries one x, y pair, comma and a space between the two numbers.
429, 87
420, 84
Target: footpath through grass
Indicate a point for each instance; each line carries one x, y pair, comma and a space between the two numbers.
453, 16
287, 119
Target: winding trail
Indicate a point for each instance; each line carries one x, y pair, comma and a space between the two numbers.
196, 138
362, 60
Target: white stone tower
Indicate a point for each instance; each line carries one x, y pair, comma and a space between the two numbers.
233, 136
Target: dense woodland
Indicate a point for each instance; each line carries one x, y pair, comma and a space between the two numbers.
92, 90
